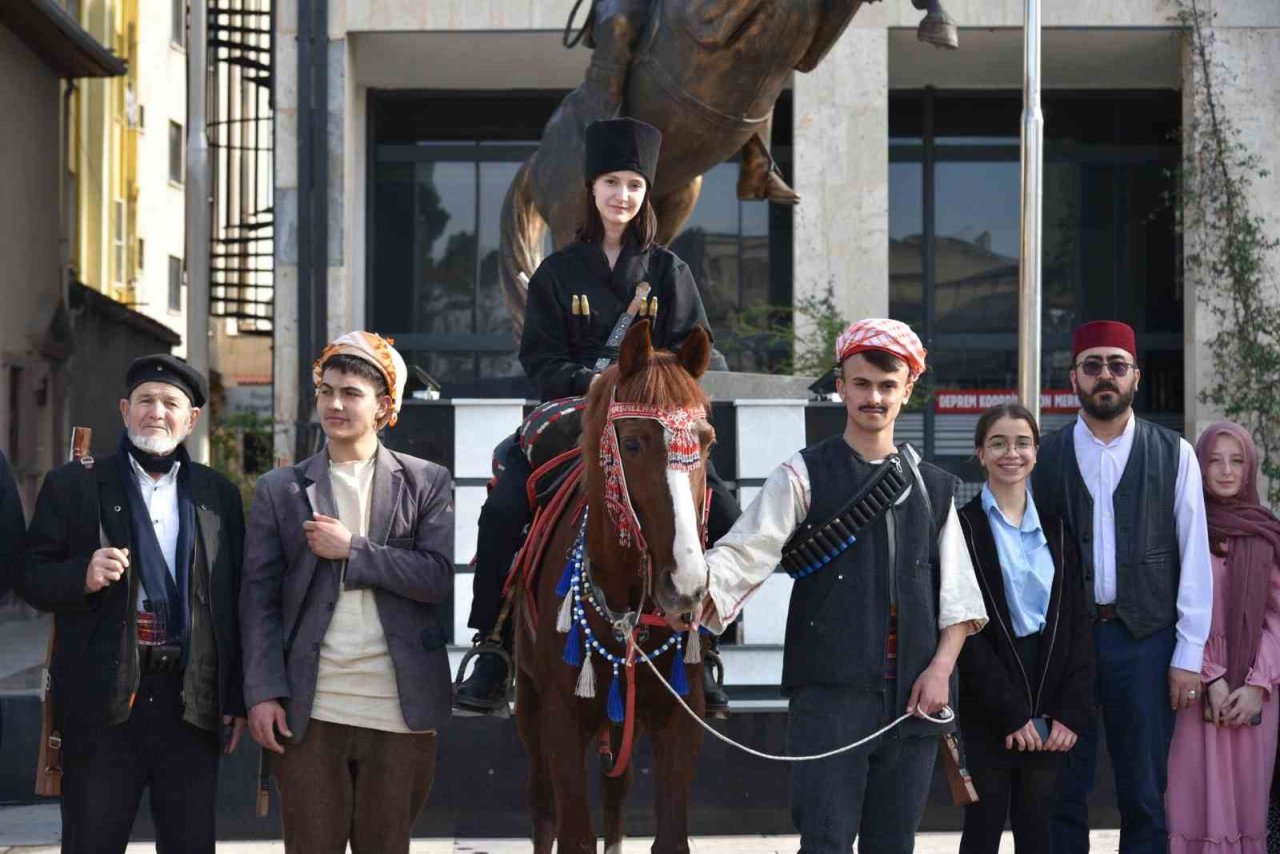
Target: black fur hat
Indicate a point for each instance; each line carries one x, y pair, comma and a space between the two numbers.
615, 145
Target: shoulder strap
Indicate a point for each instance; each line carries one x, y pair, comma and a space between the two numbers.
912, 457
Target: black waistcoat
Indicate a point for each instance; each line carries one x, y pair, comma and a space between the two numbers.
838, 621
1148, 566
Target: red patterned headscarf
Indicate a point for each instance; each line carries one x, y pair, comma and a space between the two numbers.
880, 333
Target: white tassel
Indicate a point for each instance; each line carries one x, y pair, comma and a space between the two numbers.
564, 619
586, 679
693, 647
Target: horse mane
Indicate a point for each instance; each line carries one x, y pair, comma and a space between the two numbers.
662, 382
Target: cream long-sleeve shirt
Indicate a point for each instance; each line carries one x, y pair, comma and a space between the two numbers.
356, 681
748, 554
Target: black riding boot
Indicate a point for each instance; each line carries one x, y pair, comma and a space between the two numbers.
484, 692
717, 700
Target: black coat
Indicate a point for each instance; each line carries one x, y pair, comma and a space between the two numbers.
559, 348
64, 533
13, 527
996, 698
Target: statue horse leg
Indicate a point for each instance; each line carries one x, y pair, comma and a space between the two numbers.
673, 209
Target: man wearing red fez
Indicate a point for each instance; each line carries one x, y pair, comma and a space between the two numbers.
1131, 492
884, 597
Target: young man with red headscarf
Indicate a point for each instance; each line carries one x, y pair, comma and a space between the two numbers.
1130, 491
884, 597
349, 560
1224, 749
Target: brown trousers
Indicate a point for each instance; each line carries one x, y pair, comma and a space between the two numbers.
345, 783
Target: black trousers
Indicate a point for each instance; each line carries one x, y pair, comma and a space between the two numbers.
105, 773
1021, 787
506, 513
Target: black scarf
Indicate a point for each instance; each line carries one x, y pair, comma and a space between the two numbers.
168, 596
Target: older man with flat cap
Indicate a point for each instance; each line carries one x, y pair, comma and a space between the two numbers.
1131, 492
138, 555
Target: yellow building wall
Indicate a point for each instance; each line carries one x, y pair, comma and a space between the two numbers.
102, 161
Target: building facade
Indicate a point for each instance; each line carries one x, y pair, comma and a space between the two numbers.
400, 124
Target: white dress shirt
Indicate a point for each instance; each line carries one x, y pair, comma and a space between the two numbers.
161, 499
1102, 465
743, 558
355, 679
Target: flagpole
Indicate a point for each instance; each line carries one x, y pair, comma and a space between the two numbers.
1029, 268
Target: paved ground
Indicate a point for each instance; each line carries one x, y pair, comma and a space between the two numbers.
34, 830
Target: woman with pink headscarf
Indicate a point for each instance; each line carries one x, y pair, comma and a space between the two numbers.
1224, 751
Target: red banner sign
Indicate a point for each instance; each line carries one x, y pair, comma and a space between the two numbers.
956, 401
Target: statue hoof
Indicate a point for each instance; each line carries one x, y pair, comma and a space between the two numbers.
939, 30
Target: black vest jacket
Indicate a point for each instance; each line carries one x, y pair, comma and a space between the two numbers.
838, 621
1147, 555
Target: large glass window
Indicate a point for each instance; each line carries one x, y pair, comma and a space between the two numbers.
1109, 248
440, 169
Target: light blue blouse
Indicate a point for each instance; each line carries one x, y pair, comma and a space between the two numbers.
1025, 563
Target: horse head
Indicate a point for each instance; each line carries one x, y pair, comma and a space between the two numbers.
645, 442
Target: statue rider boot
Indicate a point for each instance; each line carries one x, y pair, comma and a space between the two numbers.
758, 175
937, 28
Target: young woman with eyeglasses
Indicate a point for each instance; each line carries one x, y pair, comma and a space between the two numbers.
1026, 679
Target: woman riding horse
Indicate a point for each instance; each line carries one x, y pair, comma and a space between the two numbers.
575, 299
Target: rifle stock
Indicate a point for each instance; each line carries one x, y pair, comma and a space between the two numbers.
49, 756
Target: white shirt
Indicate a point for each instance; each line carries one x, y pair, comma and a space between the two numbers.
1101, 466
355, 679
748, 554
161, 499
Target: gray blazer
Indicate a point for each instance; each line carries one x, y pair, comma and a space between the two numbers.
287, 595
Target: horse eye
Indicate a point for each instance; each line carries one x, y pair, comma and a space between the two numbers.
631, 445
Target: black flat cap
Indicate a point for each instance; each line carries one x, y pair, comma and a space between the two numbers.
617, 145
164, 368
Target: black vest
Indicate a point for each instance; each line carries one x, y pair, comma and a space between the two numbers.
1148, 566
838, 621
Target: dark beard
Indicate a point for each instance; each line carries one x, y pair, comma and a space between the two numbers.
1106, 411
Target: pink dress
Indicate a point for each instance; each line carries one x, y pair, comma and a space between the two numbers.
1220, 777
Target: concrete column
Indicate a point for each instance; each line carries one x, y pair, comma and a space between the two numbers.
842, 172
1247, 95
284, 358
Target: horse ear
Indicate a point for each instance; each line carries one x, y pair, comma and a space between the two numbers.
636, 350
695, 352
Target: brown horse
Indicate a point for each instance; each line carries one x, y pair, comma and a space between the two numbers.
662, 564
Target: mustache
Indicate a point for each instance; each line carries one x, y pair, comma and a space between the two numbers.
1106, 386
880, 409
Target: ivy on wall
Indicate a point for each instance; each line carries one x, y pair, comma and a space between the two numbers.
1227, 249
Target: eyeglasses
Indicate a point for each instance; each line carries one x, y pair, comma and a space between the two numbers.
1118, 368
1000, 445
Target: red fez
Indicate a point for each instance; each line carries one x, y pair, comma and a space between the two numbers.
1104, 333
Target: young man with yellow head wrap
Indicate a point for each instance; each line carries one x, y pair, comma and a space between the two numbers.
349, 558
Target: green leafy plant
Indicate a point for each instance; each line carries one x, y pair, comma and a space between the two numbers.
240, 447
1228, 247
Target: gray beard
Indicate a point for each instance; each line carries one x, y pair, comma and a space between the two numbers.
160, 446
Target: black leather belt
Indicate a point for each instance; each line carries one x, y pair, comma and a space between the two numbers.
161, 659
1107, 613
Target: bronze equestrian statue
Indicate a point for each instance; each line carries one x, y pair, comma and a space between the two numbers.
707, 74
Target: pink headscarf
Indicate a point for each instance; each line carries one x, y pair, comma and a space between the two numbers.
1252, 535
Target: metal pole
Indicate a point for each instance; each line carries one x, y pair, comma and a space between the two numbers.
1032, 170
198, 213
